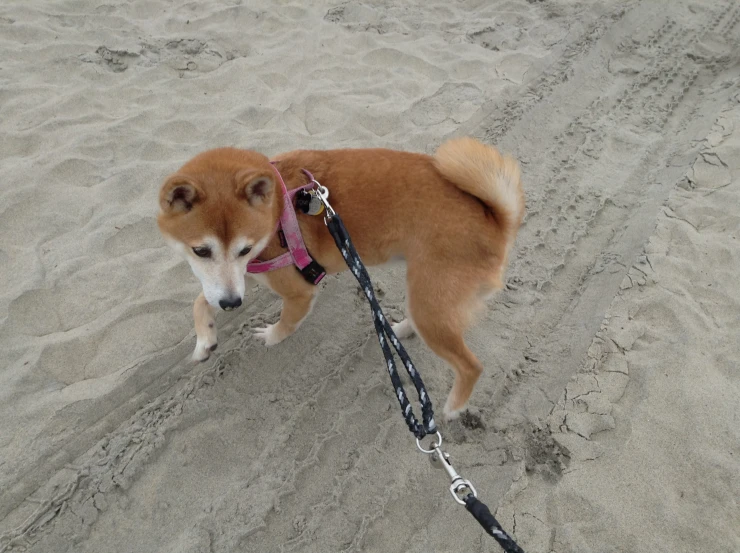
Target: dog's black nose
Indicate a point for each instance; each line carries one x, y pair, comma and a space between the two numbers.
231, 303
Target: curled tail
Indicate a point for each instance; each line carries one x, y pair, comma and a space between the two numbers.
483, 172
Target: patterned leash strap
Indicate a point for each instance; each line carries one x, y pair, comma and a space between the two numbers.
385, 335
462, 490
483, 515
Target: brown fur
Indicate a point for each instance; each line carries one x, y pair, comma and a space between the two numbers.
453, 217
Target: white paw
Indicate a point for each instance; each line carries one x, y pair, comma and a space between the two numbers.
269, 334
403, 329
450, 413
203, 349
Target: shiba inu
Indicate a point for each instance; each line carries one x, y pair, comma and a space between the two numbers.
453, 217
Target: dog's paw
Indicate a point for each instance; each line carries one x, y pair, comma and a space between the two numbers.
203, 349
269, 335
403, 329
451, 413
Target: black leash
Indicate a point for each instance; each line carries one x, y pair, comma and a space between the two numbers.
386, 335
462, 490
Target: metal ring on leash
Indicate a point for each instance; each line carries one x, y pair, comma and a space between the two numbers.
434, 447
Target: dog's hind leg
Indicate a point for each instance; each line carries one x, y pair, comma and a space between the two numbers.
205, 328
442, 308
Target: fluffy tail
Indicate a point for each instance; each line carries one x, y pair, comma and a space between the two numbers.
483, 172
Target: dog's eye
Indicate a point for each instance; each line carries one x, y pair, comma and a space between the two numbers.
202, 251
245, 251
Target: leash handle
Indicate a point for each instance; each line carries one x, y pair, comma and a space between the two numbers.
385, 334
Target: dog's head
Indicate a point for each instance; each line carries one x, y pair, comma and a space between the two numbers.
219, 211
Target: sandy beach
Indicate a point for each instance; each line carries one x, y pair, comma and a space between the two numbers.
608, 416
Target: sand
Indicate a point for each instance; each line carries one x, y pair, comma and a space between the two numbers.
608, 416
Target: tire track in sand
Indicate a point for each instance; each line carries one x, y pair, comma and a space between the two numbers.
598, 190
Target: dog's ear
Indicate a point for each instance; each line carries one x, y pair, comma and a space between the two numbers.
179, 193
257, 186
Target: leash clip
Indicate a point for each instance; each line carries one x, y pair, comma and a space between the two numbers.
460, 487
323, 193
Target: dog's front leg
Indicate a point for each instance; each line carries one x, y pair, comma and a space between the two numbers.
295, 309
205, 328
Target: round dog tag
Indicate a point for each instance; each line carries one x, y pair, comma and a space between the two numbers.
315, 207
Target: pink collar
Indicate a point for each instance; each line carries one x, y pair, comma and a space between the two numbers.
297, 253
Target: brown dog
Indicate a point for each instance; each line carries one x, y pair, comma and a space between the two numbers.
452, 217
